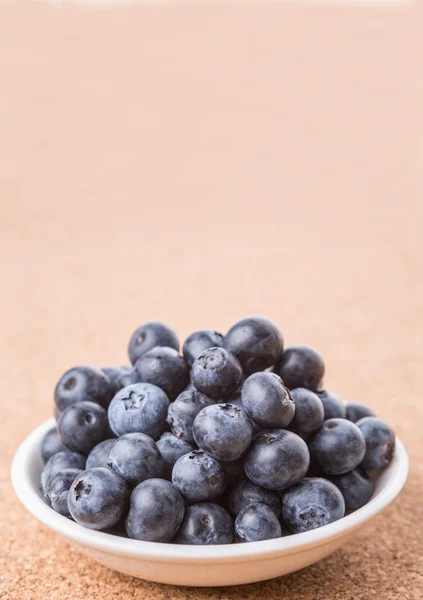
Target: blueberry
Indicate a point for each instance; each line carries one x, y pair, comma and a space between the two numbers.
204, 524
182, 412
198, 477
338, 447
155, 512
301, 366
83, 425
267, 401
312, 503
98, 498
309, 412
136, 457
357, 411
58, 488
164, 367
149, 336
99, 455
333, 405
216, 373
256, 342
62, 460
223, 431
141, 407
171, 448
356, 487
236, 400
380, 443
199, 341
51, 444
256, 522
246, 492
276, 459
83, 383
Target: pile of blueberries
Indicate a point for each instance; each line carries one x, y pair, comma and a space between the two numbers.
235, 439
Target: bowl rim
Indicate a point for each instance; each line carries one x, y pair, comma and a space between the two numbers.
165, 552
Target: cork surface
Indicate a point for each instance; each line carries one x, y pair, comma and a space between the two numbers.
197, 164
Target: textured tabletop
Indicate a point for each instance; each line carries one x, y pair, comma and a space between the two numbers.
197, 164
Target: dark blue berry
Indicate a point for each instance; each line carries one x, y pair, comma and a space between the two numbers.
204, 524
59, 461
83, 384
256, 342
234, 471
223, 431
216, 373
267, 401
171, 448
357, 411
333, 405
127, 377
98, 498
149, 336
51, 444
198, 477
276, 459
380, 443
164, 367
113, 374
199, 341
312, 503
156, 511
141, 407
301, 366
246, 492
83, 425
338, 446
256, 522
356, 487
99, 455
309, 412
136, 457
58, 488
182, 412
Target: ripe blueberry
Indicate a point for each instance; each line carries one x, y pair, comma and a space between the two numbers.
333, 405
312, 503
267, 401
216, 373
135, 457
276, 459
357, 411
141, 407
62, 460
155, 512
205, 523
256, 522
171, 448
164, 367
256, 342
380, 443
338, 447
356, 487
309, 412
58, 488
82, 426
148, 336
223, 431
301, 366
198, 477
98, 498
51, 444
81, 384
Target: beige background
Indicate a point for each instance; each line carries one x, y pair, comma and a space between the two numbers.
198, 163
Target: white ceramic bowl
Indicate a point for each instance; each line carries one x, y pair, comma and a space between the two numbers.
199, 565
